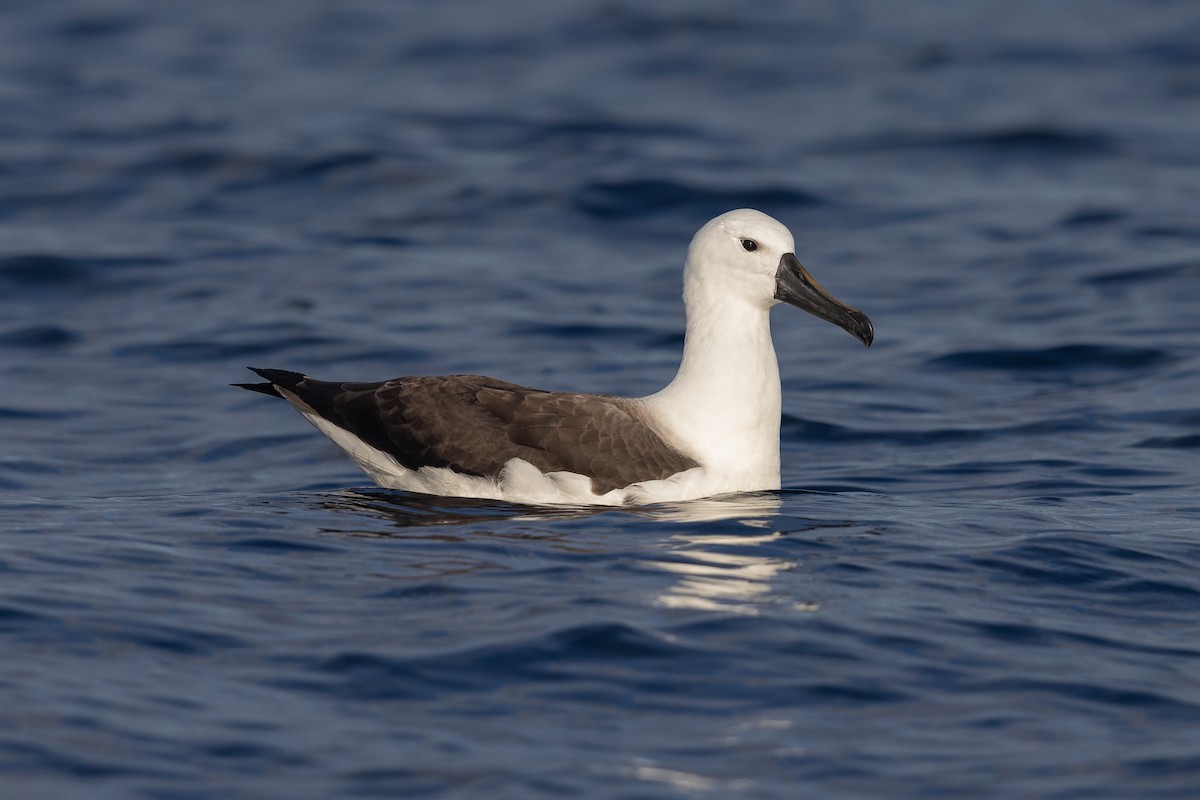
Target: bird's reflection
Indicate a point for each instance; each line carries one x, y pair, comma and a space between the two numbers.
752, 508
717, 551
721, 573
410, 510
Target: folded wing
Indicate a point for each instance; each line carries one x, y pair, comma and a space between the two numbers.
474, 425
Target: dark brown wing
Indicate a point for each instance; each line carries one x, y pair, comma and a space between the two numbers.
474, 425
594, 435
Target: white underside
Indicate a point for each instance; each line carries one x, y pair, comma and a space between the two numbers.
519, 481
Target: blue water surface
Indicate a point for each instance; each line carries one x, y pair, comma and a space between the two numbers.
979, 581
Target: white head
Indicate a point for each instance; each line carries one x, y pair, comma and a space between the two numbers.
738, 254
749, 256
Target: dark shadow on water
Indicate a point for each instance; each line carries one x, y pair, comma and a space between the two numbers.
411, 510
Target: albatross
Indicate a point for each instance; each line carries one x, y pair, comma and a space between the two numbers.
713, 430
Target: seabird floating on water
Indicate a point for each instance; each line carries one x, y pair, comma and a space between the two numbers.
714, 429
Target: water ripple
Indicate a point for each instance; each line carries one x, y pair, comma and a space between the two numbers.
1061, 358
636, 198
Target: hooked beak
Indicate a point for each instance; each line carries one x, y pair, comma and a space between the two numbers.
794, 286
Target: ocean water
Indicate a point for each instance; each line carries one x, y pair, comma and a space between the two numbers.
979, 581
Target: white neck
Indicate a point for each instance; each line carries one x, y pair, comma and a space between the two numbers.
723, 406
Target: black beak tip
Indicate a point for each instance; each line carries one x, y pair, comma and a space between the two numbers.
863, 330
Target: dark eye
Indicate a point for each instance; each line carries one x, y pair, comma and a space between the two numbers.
749, 245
